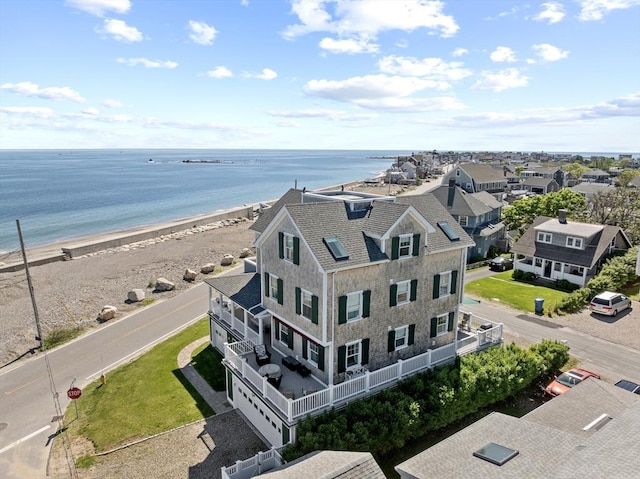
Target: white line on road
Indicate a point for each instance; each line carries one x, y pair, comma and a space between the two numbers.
26, 438
143, 348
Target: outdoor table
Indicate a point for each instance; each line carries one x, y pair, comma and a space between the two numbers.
270, 371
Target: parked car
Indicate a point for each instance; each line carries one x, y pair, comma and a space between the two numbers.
564, 382
501, 263
609, 303
629, 386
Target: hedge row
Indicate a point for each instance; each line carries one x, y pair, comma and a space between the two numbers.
429, 401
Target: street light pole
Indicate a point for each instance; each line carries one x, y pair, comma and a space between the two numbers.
33, 297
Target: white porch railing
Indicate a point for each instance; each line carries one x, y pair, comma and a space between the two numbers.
261, 462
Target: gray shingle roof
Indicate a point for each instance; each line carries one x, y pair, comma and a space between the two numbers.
242, 289
329, 465
466, 204
537, 181
483, 173
290, 197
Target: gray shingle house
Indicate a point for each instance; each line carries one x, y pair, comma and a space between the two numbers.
348, 293
539, 185
476, 177
557, 249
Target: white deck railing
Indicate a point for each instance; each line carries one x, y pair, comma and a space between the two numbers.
256, 465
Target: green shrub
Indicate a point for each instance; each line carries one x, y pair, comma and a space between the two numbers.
517, 274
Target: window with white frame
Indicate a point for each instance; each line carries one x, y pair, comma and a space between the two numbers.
445, 284
405, 246
442, 324
538, 262
573, 242
402, 295
401, 337
353, 355
544, 237
314, 353
354, 306
288, 247
273, 287
307, 308
463, 220
284, 334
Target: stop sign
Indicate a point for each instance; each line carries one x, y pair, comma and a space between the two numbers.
74, 393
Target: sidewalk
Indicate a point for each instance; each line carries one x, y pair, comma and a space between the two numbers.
216, 399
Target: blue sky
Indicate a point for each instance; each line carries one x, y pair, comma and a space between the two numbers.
321, 74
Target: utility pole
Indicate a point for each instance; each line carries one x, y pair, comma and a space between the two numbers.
33, 297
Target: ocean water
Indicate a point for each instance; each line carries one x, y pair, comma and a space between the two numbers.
63, 194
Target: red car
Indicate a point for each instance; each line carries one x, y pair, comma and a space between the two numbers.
564, 382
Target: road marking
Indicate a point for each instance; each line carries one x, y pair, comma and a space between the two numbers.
7, 393
26, 438
143, 348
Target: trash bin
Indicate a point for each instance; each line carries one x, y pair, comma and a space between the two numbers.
539, 305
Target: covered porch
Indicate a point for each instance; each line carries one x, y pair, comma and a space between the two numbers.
552, 270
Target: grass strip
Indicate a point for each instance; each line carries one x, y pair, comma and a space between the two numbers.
208, 362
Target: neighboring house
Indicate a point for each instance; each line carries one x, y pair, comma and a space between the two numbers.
539, 185
596, 175
557, 249
474, 178
479, 214
353, 291
409, 170
589, 431
589, 190
544, 172
329, 465
635, 182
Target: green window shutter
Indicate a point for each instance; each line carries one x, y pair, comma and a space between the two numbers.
342, 309
454, 281
366, 303
280, 291
281, 245
393, 295
414, 290
276, 333
391, 341
450, 323
412, 334
305, 353
436, 286
342, 359
266, 284
290, 338
298, 300
434, 328
296, 250
320, 358
286, 435
395, 247
365, 351
416, 244
314, 309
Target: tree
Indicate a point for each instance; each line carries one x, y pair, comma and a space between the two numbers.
575, 169
619, 207
523, 212
625, 177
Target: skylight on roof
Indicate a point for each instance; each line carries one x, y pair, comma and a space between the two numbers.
495, 453
448, 230
335, 247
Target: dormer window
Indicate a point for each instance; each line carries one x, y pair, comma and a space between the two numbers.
405, 246
543, 237
573, 242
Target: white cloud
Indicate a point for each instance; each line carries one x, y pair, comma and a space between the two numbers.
100, 7
120, 31
338, 115
91, 111
413, 105
220, 72
110, 103
369, 18
552, 12
458, 52
201, 33
351, 45
132, 62
500, 81
503, 54
48, 93
267, 74
549, 53
597, 9
430, 68
24, 111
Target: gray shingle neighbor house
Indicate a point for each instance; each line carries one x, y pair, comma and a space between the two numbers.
557, 249
349, 292
476, 177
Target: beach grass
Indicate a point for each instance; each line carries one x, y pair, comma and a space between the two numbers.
208, 362
59, 336
503, 289
147, 396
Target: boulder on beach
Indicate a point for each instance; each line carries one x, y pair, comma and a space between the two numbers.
135, 295
107, 312
245, 253
208, 268
163, 284
227, 260
190, 275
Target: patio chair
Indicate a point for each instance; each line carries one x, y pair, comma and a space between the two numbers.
275, 382
263, 356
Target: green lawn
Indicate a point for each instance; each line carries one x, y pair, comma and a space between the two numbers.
208, 362
501, 288
141, 398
